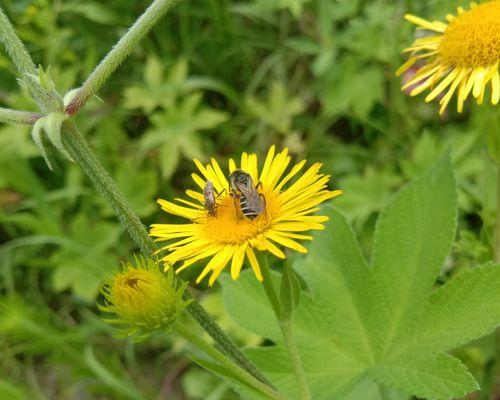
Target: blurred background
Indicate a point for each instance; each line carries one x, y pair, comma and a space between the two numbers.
214, 78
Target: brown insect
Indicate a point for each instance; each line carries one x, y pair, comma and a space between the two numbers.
210, 196
251, 202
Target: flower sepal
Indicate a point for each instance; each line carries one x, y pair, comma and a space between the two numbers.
50, 127
143, 299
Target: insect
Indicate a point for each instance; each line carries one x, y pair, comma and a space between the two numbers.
252, 203
210, 195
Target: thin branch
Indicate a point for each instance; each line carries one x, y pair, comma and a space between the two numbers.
15, 48
46, 100
118, 53
10, 116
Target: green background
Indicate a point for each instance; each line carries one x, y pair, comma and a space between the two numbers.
213, 79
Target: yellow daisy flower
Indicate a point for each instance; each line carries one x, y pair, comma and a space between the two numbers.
460, 56
227, 235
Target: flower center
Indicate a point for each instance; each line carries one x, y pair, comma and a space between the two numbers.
230, 226
472, 39
134, 290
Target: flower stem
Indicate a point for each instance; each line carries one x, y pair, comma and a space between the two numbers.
286, 329
118, 53
10, 116
81, 152
242, 375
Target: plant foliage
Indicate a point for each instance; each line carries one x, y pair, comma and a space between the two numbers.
386, 321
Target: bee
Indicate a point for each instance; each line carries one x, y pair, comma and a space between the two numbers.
210, 195
252, 203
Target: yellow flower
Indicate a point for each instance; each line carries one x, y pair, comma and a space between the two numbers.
460, 56
228, 236
143, 298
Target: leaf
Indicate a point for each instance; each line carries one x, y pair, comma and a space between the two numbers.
278, 110
83, 259
385, 323
443, 377
10, 391
464, 309
412, 238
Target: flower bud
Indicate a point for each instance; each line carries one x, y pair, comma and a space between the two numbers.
143, 298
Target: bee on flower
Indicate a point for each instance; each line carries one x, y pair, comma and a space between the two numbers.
257, 210
461, 57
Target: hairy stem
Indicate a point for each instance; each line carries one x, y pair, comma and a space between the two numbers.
15, 48
46, 100
229, 365
10, 116
81, 152
83, 155
286, 329
118, 53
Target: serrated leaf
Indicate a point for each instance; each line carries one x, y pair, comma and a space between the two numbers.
386, 322
465, 308
412, 238
337, 273
442, 377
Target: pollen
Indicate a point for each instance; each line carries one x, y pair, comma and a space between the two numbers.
231, 227
472, 38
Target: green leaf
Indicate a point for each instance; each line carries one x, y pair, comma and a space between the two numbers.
289, 292
278, 110
247, 304
10, 391
443, 377
412, 238
464, 309
386, 322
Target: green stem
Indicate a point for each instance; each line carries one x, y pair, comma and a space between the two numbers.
46, 100
188, 334
15, 48
286, 329
80, 151
118, 53
10, 116
82, 154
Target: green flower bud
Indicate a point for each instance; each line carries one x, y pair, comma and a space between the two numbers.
143, 298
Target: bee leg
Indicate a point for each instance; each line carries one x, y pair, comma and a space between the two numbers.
219, 193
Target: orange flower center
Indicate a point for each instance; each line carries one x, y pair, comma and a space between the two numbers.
230, 226
472, 39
